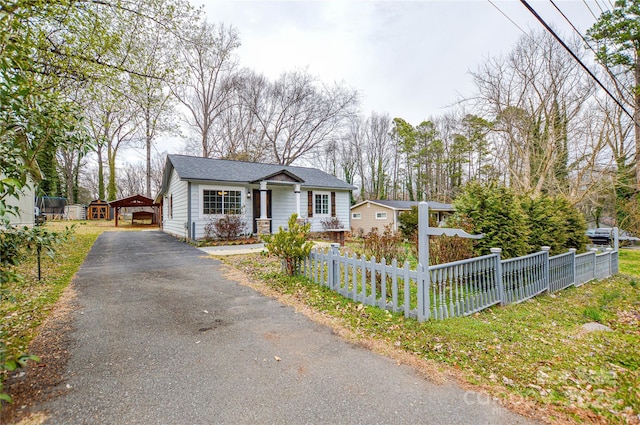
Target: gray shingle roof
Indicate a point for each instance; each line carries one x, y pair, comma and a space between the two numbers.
222, 170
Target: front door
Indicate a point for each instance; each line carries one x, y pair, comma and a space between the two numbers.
256, 208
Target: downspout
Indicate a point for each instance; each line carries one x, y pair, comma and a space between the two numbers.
395, 220
189, 211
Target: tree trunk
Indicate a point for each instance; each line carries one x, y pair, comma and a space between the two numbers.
636, 118
148, 146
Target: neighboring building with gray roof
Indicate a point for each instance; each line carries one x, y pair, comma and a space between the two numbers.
197, 190
379, 213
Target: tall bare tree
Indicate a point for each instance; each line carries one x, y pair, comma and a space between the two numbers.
296, 114
617, 33
209, 78
536, 96
111, 121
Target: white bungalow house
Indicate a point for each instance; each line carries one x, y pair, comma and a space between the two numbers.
380, 213
198, 190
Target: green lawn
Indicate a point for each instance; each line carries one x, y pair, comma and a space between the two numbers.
535, 352
630, 262
31, 301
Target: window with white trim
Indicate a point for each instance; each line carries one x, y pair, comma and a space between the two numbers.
321, 204
381, 215
221, 202
356, 216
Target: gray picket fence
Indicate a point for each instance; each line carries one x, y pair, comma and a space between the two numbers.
454, 289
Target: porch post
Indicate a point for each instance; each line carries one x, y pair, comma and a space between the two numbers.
296, 190
263, 200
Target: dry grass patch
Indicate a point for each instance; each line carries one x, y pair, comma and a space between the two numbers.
535, 356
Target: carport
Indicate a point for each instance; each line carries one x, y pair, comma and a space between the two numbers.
137, 201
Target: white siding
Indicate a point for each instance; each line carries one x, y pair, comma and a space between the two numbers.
343, 208
343, 205
201, 220
283, 204
175, 224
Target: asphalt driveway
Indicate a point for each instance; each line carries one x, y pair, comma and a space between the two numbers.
163, 338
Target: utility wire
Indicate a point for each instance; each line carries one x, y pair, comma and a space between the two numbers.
599, 7
548, 28
588, 7
611, 74
510, 20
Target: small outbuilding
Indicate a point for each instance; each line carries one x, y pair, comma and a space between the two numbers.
75, 212
99, 210
142, 209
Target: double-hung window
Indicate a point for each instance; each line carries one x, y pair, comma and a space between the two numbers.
321, 204
221, 202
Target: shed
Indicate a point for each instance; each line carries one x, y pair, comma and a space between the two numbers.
99, 210
75, 212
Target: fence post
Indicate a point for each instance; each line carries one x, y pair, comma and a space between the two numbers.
574, 275
334, 270
424, 306
423, 236
610, 252
546, 250
616, 239
499, 282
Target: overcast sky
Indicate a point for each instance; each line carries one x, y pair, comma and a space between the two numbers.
409, 59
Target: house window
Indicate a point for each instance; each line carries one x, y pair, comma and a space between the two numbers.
381, 215
321, 204
221, 202
356, 216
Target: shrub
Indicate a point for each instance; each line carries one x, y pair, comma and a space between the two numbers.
408, 223
445, 249
357, 233
555, 223
332, 223
520, 224
227, 227
387, 244
290, 245
495, 211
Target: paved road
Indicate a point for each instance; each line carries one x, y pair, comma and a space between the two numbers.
163, 338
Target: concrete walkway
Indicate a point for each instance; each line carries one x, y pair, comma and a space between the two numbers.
163, 338
224, 250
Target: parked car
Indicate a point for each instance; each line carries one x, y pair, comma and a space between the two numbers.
604, 236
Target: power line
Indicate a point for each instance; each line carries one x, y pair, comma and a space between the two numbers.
599, 7
548, 28
510, 20
611, 74
588, 7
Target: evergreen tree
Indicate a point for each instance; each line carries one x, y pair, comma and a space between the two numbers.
495, 211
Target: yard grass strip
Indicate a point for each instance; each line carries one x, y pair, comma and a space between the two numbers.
31, 301
534, 352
